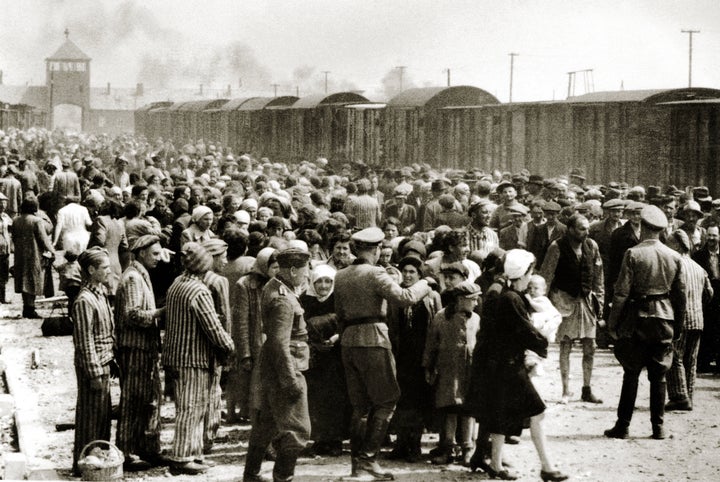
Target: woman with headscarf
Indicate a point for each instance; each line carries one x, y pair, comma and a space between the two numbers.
199, 229
501, 395
408, 328
247, 332
327, 396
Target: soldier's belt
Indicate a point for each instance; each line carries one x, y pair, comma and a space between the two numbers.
368, 320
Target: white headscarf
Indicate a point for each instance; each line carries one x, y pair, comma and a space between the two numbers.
517, 263
322, 271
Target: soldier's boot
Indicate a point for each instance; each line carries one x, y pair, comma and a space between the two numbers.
3, 299
367, 460
358, 428
284, 470
657, 409
253, 464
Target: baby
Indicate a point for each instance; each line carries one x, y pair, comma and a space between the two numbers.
545, 317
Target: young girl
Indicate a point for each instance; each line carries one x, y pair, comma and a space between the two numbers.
546, 318
447, 360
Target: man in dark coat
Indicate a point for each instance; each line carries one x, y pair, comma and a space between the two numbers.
647, 314
33, 249
622, 239
540, 236
709, 258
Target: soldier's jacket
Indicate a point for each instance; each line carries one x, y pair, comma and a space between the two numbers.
285, 351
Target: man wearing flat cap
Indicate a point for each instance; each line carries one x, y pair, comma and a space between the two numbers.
514, 235
137, 344
361, 291
691, 214
283, 416
195, 342
400, 209
647, 315
480, 237
220, 289
540, 236
622, 239
502, 216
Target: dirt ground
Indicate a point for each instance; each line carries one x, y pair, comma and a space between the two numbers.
574, 431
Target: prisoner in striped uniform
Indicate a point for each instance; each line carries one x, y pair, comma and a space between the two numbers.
195, 342
681, 377
93, 342
138, 351
220, 291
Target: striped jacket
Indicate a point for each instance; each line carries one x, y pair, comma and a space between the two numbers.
194, 335
135, 309
93, 331
698, 290
220, 290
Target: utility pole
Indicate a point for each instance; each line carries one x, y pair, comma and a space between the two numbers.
275, 86
297, 91
326, 72
401, 68
448, 76
512, 67
690, 33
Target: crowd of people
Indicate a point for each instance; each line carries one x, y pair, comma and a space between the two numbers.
323, 301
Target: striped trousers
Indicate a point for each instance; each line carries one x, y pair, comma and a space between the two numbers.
213, 414
92, 413
138, 430
192, 394
681, 377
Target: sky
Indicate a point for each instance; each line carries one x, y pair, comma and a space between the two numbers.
252, 44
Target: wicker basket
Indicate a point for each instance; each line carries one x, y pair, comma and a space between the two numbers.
91, 472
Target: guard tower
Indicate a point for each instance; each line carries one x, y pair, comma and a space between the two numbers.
68, 86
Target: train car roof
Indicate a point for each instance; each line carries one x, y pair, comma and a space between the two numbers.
438, 97
312, 101
200, 105
651, 96
372, 105
260, 103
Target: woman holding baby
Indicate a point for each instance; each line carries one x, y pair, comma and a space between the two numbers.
502, 397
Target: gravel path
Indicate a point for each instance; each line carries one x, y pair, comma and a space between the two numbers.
692, 452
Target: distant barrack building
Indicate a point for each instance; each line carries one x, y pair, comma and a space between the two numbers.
67, 99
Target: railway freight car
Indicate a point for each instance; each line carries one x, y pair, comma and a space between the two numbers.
253, 129
317, 126
364, 135
195, 122
145, 119
694, 142
411, 130
217, 121
625, 135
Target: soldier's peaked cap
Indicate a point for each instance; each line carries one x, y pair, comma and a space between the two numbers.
292, 257
369, 236
653, 217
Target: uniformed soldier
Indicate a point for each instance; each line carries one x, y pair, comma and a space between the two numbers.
283, 417
647, 313
361, 291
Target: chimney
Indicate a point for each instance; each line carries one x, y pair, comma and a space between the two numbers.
229, 91
1, 72
201, 89
108, 89
139, 89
